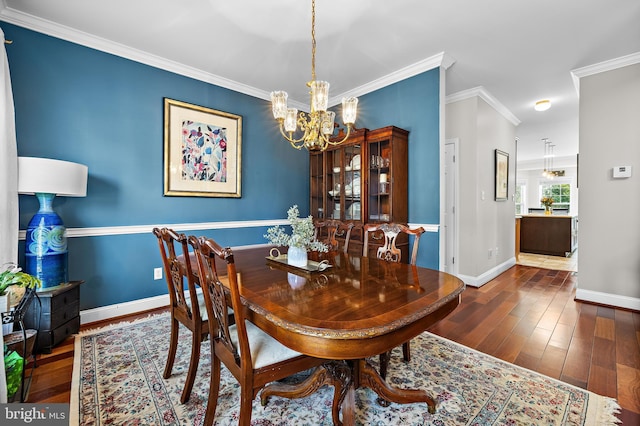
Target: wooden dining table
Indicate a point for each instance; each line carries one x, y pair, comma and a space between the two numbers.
356, 308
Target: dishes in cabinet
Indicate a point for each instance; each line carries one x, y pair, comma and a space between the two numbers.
336, 170
353, 212
355, 162
356, 186
333, 193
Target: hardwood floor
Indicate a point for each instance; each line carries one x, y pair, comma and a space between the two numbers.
559, 263
526, 316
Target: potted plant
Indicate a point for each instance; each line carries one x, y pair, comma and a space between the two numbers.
12, 276
301, 240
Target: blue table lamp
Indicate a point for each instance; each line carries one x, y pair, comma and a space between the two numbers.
46, 255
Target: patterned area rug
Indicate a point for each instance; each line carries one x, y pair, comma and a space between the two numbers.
117, 379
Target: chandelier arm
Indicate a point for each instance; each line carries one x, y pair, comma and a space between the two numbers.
343, 139
290, 137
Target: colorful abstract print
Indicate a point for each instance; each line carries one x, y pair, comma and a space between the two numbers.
204, 152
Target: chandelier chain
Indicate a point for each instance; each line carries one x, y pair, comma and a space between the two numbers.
313, 40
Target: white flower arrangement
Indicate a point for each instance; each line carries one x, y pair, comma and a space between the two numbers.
302, 234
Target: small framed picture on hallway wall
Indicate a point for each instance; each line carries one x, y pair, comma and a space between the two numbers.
502, 175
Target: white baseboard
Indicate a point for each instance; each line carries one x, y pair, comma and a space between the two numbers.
484, 278
608, 299
134, 306
119, 309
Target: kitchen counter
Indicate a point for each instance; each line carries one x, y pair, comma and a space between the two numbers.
555, 235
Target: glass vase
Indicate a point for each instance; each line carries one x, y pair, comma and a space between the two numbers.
547, 210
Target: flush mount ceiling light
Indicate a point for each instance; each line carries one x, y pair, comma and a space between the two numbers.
542, 105
317, 127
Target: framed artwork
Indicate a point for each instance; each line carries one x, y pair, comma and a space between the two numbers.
202, 151
502, 175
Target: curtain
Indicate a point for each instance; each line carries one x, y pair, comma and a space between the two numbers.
8, 184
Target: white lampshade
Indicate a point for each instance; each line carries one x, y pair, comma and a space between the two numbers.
45, 175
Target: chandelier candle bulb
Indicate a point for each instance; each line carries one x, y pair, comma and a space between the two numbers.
319, 96
328, 124
290, 120
349, 110
279, 104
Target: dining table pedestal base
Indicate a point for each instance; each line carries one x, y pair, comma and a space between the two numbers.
365, 375
346, 377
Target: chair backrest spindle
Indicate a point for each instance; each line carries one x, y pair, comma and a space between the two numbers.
206, 251
334, 229
389, 251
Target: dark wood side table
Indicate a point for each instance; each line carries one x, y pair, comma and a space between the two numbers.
57, 316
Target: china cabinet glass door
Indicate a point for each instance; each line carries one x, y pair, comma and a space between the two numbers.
380, 179
344, 183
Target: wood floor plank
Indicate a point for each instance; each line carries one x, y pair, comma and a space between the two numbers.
627, 351
605, 328
577, 363
628, 387
561, 337
552, 361
498, 334
511, 347
537, 343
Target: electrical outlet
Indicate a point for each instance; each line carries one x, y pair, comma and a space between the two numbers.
490, 253
157, 273
496, 251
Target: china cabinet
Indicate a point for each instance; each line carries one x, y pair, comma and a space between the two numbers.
363, 180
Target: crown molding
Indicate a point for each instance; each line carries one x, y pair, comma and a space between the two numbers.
604, 66
53, 29
441, 59
482, 93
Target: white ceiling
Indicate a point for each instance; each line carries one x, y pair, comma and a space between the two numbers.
519, 51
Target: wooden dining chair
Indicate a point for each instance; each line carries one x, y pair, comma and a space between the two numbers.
391, 253
328, 231
185, 308
251, 355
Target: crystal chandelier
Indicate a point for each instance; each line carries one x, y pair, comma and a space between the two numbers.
318, 126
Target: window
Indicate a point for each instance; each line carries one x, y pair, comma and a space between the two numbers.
560, 192
520, 196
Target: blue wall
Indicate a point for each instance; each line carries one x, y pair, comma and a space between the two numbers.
413, 104
78, 104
